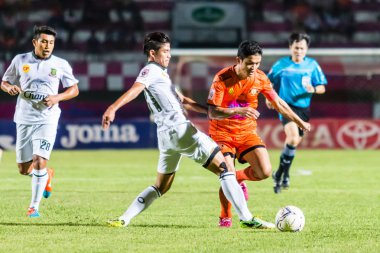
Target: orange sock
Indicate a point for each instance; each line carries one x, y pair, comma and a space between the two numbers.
225, 205
246, 174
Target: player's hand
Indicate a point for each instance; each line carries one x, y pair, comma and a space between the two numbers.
248, 112
49, 101
269, 104
306, 126
14, 90
108, 117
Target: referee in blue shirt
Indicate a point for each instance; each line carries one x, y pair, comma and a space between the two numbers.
295, 78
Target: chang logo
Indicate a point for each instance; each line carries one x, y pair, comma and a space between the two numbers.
359, 135
208, 14
35, 96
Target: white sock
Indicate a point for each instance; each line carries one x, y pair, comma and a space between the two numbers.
235, 195
142, 202
39, 180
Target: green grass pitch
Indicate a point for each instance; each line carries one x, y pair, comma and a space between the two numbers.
338, 191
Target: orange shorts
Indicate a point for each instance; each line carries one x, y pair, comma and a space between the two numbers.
238, 146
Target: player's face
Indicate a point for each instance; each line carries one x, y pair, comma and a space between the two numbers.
44, 45
298, 50
162, 56
248, 65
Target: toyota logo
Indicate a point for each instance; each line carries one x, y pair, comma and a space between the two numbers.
359, 135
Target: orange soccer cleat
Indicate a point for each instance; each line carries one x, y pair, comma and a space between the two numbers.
48, 188
33, 213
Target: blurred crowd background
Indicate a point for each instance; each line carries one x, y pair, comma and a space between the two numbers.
102, 41
118, 25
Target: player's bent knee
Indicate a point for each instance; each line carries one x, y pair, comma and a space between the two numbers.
261, 175
39, 162
223, 167
265, 175
24, 173
294, 141
23, 170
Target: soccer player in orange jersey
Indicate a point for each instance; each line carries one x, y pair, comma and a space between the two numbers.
232, 100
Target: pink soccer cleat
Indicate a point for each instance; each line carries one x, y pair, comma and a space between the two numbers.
225, 222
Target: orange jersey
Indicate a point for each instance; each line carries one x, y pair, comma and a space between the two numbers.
228, 91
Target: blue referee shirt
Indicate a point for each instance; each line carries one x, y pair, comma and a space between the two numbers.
289, 80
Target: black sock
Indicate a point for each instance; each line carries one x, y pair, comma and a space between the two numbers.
286, 162
280, 170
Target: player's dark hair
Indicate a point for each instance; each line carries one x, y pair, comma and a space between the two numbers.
297, 37
249, 47
154, 41
38, 30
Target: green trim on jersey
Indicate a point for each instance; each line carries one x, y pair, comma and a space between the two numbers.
154, 101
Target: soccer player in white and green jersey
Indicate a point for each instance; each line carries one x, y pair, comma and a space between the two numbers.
177, 136
296, 79
35, 77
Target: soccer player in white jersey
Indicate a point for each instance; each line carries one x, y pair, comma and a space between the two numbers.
177, 136
35, 78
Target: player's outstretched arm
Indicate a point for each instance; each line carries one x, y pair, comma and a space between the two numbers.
218, 112
10, 89
191, 105
128, 96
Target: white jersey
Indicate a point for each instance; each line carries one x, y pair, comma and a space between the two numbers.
161, 96
38, 78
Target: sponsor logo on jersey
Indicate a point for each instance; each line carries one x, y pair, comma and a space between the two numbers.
53, 72
306, 81
253, 91
164, 74
144, 72
231, 91
33, 95
25, 68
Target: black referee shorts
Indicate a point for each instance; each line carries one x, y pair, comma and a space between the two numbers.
303, 113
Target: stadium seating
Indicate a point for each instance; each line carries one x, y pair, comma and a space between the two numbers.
353, 92
272, 31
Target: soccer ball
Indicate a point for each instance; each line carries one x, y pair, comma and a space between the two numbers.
290, 218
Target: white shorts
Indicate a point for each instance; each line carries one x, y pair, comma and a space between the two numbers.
183, 139
34, 140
